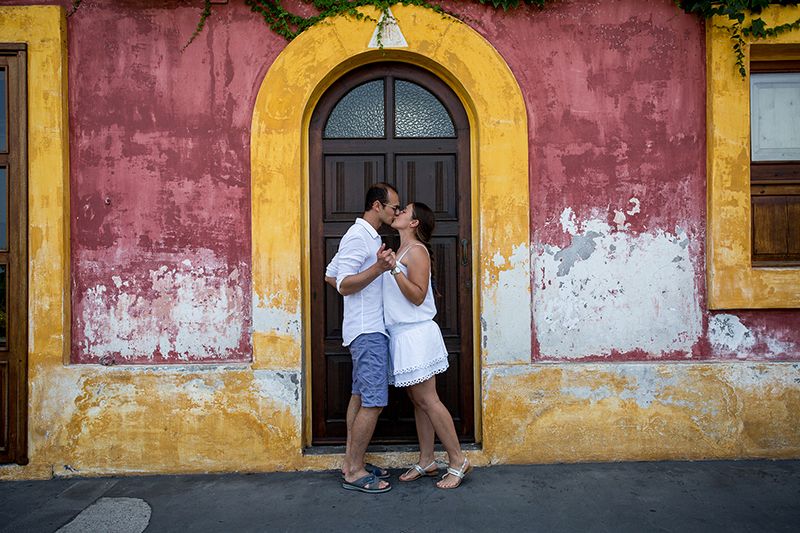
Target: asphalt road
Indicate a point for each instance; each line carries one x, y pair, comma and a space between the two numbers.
720, 496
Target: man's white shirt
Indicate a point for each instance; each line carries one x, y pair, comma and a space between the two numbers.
363, 310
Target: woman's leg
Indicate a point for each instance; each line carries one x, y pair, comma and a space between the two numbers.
426, 399
426, 435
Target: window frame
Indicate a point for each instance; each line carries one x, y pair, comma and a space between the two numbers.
733, 281
16, 257
772, 175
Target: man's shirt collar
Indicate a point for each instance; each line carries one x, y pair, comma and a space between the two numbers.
372, 232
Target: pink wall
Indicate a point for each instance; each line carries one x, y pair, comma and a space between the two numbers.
616, 108
160, 199
615, 93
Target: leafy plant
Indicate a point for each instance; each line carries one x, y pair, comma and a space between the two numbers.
289, 25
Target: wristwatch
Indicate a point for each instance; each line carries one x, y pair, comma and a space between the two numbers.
395, 271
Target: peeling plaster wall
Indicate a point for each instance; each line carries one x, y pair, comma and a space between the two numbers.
612, 292
616, 105
161, 250
613, 412
161, 259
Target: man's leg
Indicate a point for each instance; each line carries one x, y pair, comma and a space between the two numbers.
370, 377
352, 410
363, 427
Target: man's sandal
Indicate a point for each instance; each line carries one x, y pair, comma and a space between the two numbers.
421, 472
369, 484
378, 472
465, 469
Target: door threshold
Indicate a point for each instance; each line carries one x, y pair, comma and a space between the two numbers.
385, 448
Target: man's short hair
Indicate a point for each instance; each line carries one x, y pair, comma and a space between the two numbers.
379, 192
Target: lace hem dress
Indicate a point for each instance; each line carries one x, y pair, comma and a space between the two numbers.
418, 352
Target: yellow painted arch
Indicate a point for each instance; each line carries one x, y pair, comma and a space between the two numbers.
280, 173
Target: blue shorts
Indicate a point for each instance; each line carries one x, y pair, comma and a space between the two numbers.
370, 353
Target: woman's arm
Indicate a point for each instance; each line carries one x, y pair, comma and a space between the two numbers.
415, 286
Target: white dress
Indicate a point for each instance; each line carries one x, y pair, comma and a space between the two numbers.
415, 340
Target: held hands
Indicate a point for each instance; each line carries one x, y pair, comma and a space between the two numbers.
386, 258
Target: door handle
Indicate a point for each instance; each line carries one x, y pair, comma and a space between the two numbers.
464, 252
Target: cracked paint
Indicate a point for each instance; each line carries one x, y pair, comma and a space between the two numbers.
178, 312
611, 292
642, 411
727, 334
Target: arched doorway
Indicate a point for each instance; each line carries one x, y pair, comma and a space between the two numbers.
397, 123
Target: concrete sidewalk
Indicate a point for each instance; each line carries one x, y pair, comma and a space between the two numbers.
666, 496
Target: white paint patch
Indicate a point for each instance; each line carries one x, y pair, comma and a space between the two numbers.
191, 313
506, 322
619, 220
727, 334
568, 224
637, 206
273, 319
610, 291
780, 348
280, 387
390, 34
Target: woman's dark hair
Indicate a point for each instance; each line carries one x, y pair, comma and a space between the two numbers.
378, 192
427, 222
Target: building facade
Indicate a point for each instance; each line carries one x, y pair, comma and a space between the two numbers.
611, 284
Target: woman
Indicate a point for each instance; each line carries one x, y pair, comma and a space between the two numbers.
416, 344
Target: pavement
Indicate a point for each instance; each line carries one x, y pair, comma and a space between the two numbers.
725, 496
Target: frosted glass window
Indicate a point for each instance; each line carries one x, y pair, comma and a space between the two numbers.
775, 116
3, 112
418, 113
359, 114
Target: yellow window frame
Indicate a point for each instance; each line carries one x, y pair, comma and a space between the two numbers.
733, 282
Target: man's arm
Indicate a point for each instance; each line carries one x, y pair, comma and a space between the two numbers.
352, 254
332, 270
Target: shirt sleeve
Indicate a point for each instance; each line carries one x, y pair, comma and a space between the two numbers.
352, 254
332, 270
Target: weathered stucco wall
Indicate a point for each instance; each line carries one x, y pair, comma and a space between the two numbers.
160, 181
610, 270
616, 105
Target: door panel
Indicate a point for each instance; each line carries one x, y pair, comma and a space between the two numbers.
430, 170
347, 178
13, 256
430, 179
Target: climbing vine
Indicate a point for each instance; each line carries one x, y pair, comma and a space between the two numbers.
736, 11
289, 25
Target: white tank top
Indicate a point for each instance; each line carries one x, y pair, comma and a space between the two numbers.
397, 309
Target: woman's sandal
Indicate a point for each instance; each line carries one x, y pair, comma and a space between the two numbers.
421, 472
465, 469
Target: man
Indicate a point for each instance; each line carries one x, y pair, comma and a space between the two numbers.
358, 267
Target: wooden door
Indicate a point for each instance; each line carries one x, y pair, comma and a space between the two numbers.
400, 124
13, 256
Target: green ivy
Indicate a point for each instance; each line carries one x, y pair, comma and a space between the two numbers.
736, 12
289, 25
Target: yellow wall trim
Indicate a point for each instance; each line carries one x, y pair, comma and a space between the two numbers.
43, 29
499, 150
732, 281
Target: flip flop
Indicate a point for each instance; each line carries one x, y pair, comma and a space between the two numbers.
369, 484
378, 472
422, 472
457, 472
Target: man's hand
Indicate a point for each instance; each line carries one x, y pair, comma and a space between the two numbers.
385, 258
